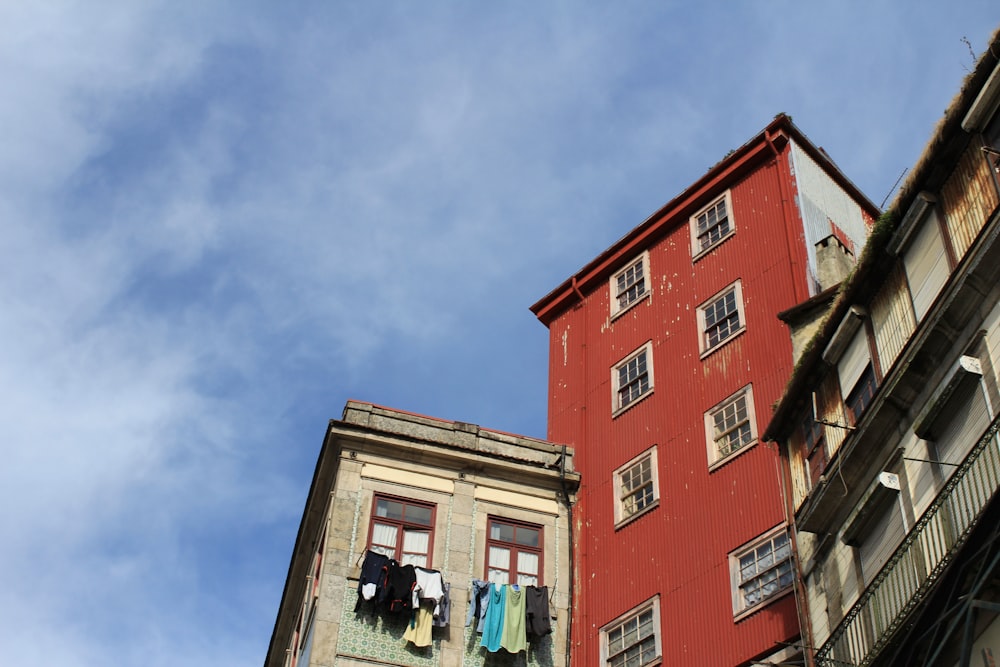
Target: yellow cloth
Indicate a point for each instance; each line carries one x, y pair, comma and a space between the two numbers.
419, 632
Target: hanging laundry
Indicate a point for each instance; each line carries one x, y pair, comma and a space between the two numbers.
398, 591
537, 615
373, 574
494, 620
479, 601
514, 636
430, 586
443, 616
418, 630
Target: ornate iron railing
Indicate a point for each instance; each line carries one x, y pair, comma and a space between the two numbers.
918, 562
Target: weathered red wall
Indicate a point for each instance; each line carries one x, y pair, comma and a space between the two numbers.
680, 548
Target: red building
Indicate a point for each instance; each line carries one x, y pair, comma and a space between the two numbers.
666, 355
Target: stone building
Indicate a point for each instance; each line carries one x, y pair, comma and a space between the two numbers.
434, 493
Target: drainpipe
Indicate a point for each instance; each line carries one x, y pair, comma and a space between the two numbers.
572, 560
786, 217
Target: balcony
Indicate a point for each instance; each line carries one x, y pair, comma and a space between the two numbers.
917, 564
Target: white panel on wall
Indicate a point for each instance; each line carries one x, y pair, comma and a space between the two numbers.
926, 265
854, 361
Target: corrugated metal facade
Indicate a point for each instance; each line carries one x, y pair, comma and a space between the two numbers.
680, 550
969, 198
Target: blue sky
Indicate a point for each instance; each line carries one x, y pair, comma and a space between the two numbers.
224, 219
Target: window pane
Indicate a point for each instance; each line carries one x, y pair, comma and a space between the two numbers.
384, 535
526, 536
527, 563
416, 541
748, 566
500, 558
418, 514
645, 628
764, 557
501, 531
389, 509
615, 640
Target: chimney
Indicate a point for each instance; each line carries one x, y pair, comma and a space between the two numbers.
834, 262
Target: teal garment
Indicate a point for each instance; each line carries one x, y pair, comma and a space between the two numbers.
493, 623
515, 637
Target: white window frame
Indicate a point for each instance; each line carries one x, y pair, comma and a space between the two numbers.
715, 457
651, 605
703, 328
696, 248
648, 457
740, 608
615, 292
617, 407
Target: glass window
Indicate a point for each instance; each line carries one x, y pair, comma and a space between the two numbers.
711, 225
721, 319
636, 487
514, 553
730, 426
763, 570
634, 639
629, 285
402, 529
632, 378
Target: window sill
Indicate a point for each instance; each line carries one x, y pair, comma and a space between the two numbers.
632, 404
644, 511
615, 315
713, 350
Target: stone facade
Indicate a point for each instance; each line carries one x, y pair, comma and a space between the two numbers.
467, 475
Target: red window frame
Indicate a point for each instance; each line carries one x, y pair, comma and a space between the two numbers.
414, 516
514, 536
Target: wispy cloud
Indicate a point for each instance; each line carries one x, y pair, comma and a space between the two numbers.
224, 219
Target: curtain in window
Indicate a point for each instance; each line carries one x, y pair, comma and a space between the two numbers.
499, 565
415, 547
384, 539
527, 569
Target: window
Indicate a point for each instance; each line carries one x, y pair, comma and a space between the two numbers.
862, 394
711, 225
633, 640
730, 426
761, 571
636, 487
629, 286
632, 378
721, 318
814, 447
515, 553
402, 529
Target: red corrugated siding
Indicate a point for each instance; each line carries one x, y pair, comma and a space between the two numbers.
680, 548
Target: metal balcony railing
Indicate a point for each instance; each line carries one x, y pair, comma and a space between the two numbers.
919, 561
